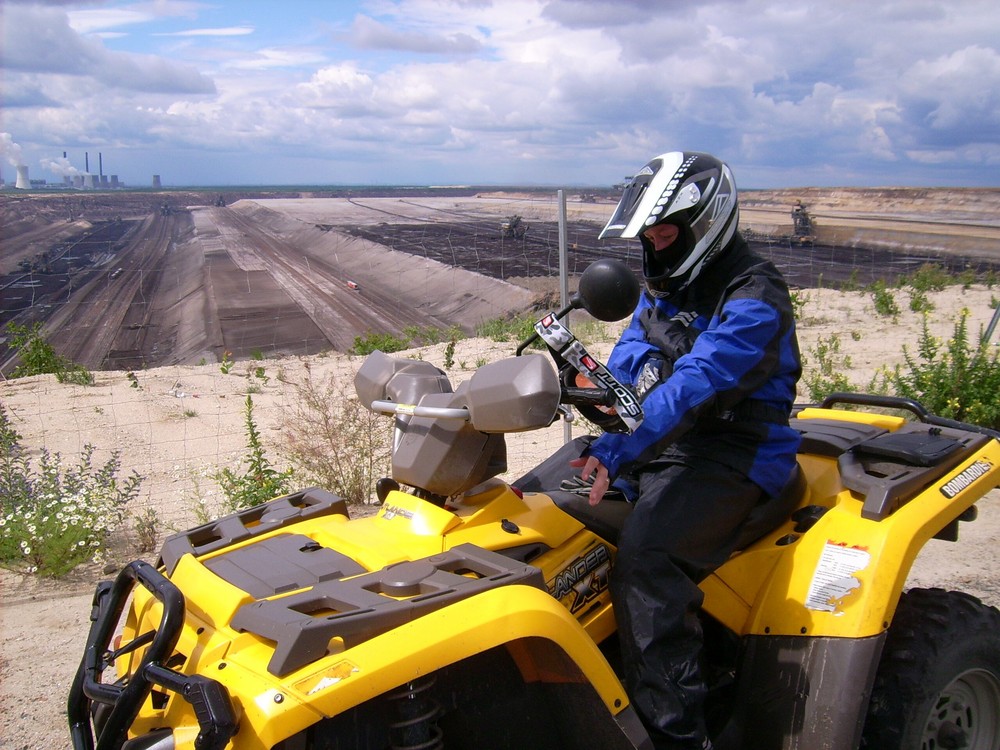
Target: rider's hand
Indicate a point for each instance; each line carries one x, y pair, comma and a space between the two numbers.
601, 483
582, 381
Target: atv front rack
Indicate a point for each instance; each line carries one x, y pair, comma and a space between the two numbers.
368, 605
364, 606
210, 700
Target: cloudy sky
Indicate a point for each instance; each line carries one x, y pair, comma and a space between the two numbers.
543, 92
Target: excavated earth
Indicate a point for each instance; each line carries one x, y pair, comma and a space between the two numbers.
166, 280
135, 280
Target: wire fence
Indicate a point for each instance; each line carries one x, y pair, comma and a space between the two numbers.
183, 311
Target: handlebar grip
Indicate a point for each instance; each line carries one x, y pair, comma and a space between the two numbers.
587, 396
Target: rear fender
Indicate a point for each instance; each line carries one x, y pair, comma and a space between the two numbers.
842, 576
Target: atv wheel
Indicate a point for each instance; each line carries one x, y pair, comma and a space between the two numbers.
938, 682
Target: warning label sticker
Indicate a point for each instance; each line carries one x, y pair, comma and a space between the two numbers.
834, 579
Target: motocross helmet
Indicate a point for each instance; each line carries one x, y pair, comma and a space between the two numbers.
693, 191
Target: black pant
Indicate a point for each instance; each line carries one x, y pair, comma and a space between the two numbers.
685, 524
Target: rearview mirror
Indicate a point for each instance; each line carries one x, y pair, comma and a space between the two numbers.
608, 290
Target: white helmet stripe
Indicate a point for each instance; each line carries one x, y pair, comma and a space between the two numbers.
657, 194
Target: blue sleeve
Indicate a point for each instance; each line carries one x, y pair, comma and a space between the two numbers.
632, 349
729, 360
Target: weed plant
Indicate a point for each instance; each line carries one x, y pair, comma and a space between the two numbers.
507, 329
931, 277
828, 375
335, 442
54, 517
37, 357
957, 379
260, 481
884, 301
919, 301
383, 342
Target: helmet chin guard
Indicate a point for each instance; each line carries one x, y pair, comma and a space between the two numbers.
693, 191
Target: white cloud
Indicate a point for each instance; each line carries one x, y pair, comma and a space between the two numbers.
39, 40
227, 31
588, 89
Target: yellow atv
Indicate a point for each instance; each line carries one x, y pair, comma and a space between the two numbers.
469, 613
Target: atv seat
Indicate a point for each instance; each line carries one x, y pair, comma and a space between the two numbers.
772, 511
607, 517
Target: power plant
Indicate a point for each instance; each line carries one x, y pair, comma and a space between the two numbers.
69, 176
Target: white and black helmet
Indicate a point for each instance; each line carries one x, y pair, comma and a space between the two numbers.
695, 192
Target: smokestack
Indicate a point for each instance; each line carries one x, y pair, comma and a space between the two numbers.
23, 183
100, 165
64, 154
86, 161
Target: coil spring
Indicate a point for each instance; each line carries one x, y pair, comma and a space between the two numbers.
416, 728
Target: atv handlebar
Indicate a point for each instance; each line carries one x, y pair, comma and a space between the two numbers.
587, 396
416, 410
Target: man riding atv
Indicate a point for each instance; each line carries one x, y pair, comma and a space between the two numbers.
712, 353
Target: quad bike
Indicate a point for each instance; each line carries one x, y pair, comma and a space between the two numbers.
470, 613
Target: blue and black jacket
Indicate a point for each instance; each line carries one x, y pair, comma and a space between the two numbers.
715, 367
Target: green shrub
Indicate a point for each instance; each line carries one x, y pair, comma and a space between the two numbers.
919, 301
383, 342
335, 442
428, 336
957, 379
507, 329
260, 481
827, 376
54, 517
799, 300
37, 357
930, 277
885, 303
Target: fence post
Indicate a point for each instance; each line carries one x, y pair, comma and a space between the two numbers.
564, 282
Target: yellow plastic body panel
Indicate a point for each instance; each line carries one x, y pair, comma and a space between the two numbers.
272, 709
841, 577
406, 527
844, 576
885, 421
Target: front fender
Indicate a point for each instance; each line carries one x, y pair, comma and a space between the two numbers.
511, 616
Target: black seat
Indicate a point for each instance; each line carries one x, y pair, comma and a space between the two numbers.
773, 511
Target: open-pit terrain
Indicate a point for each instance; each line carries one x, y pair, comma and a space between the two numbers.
267, 272
135, 280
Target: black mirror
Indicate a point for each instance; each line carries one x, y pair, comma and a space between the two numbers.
608, 290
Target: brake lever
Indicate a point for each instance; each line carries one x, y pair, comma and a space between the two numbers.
561, 340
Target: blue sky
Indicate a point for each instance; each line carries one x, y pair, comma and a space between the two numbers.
541, 92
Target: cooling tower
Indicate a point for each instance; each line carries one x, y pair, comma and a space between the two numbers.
23, 183
156, 182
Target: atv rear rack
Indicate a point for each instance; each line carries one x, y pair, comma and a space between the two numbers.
888, 469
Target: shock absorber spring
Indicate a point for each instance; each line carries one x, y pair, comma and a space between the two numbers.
417, 712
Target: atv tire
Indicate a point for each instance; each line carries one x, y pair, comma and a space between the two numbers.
938, 682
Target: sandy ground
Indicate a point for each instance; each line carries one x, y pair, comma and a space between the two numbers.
185, 422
